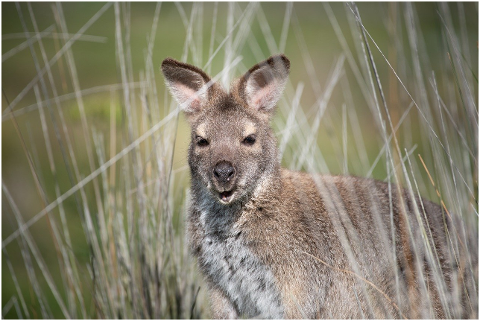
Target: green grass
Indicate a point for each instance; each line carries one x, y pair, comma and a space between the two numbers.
99, 133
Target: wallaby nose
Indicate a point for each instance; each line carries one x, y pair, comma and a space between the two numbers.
224, 171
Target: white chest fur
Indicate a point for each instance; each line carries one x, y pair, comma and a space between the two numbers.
232, 266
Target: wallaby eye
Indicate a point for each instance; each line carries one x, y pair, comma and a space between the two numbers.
249, 140
202, 142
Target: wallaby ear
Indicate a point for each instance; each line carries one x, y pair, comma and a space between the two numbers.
187, 84
262, 86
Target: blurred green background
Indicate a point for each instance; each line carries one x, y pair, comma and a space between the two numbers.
310, 35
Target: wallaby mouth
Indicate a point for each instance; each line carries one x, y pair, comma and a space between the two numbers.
226, 196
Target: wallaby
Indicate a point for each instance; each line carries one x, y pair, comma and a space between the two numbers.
273, 243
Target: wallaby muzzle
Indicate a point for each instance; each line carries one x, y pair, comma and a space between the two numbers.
224, 177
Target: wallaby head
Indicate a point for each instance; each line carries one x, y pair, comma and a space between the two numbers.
233, 149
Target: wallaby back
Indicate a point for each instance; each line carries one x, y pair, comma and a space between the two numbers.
273, 243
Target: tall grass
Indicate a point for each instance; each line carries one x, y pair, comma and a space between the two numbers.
109, 179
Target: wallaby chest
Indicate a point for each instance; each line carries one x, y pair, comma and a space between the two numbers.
227, 259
